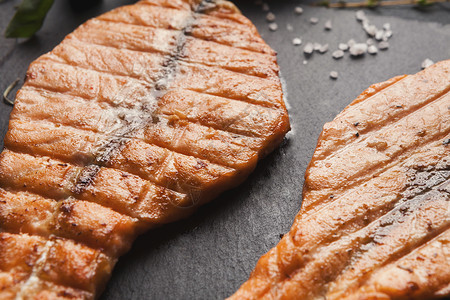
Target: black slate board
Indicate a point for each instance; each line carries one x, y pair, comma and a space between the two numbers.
210, 254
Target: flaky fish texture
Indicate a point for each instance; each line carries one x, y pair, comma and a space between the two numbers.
375, 218
138, 117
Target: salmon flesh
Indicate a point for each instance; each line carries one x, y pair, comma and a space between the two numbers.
138, 117
375, 217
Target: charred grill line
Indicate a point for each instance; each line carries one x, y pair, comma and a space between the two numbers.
393, 120
145, 114
389, 218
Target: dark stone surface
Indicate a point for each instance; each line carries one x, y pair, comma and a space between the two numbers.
210, 254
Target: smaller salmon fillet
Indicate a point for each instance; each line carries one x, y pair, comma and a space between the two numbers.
375, 217
137, 118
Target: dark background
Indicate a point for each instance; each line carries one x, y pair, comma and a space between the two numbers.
210, 254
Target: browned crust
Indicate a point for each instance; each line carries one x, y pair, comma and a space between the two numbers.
138, 117
375, 220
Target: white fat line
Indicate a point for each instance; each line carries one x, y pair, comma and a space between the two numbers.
34, 279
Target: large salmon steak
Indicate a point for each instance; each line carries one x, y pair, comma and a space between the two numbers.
138, 117
375, 217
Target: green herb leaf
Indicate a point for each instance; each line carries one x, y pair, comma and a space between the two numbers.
28, 19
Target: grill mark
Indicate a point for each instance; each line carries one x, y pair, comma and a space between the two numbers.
92, 168
161, 5
160, 86
191, 120
316, 207
189, 34
40, 263
406, 255
65, 207
142, 79
260, 76
85, 36
73, 191
177, 8
397, 207
363, 234
394, 119
117, 143
393, 222
383, 127
110, 72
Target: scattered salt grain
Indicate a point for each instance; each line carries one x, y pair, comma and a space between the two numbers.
372, 50
270, 17
289, 28
298, 10
273, 26
343, 47
317, 46
328, 25
360, 15
309, 48
387, 26
323, 49
358, 49
338, 54
371, 30
296, 41
351, 42
383, 45
334, 75
313, 20
379, 35
426, 63
387, 34
305, 62
370, 42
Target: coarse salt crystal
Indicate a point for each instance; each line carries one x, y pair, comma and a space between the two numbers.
383, 45
313, 20
338, 54
358, 49
426, 63
379, 35
343, 46
334, 75
323, 49
360, 15
309, 48
298, 10
328, 25
371, 30
297, 41
372, 50
270, 17
273, 26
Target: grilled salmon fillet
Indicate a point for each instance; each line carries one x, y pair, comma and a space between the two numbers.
138, 117
375, 217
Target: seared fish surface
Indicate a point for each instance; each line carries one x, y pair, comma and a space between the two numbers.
138, 117
375, 218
